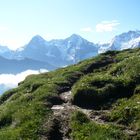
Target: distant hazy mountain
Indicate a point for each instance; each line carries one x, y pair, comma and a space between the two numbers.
6, 52
17, 66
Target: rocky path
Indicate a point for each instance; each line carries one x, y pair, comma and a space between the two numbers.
67, 107
63, 112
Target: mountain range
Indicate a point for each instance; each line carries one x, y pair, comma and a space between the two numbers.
39, 53
16, 66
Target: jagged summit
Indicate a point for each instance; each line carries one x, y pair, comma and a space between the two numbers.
71, 49
126, 36
75, 37
123, 41
37, 39
59, 52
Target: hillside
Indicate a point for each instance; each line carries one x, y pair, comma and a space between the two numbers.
96, 99
13, 66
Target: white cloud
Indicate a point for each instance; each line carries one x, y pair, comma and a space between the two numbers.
8, 81
107, 26
87, 29
11, 79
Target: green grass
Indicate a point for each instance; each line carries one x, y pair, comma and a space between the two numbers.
84, 129
94, 90
114, 81
24, 110
127, 112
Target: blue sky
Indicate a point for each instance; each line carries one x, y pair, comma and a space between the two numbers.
95, 20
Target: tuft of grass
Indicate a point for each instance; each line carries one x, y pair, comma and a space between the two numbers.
116, 80
95, 90
84, 129
127, 112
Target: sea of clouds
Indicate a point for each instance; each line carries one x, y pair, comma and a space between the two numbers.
8, 81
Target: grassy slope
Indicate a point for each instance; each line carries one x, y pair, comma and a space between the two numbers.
119, 85
94, 82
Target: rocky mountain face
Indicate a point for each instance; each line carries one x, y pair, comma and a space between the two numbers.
98, 98
123, 41
74, 48
58, 52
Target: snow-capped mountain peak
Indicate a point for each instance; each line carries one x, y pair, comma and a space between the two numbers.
133, 43
37, 39
121, 41
124, 37
61, 52
74, 37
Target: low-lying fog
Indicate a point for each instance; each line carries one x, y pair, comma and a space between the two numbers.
8, 81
